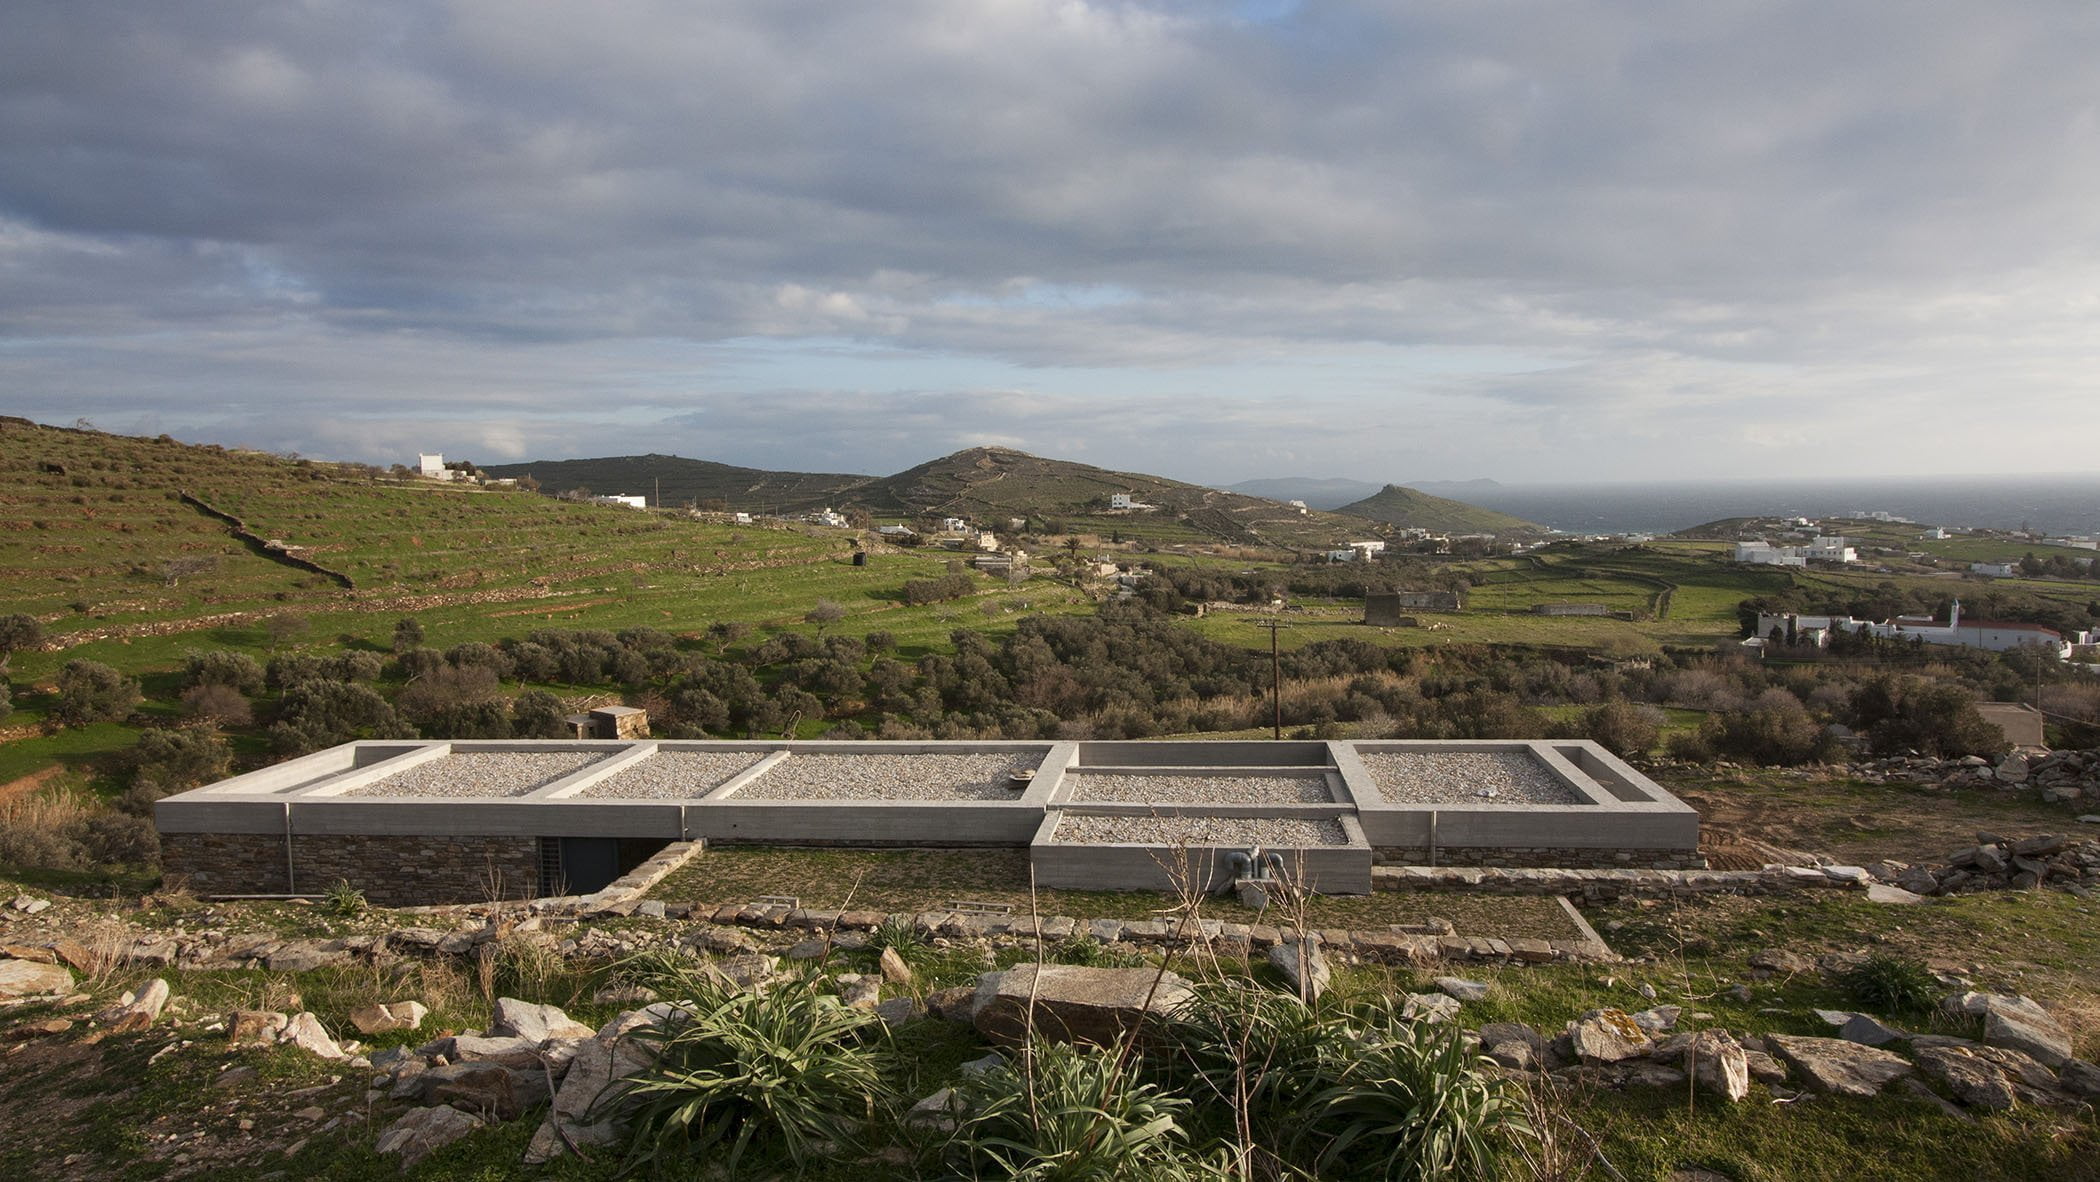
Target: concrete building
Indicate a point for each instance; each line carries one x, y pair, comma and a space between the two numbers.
1994, 570
610, 722
1388, 609
1766, 554
431, 466
622, 499
413, 822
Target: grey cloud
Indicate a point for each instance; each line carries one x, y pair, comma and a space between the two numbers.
350, 212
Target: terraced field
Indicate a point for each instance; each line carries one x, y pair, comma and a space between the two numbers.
96, 541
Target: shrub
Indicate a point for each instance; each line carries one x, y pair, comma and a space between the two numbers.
219, 704
173, 760
284, 627
18, 632
223, 667
408, 634
538, 714
952, 586
1070, 1112
317, 714
7, 703
344, 900
1891, 984
89, 691
787, 1070
1623, 728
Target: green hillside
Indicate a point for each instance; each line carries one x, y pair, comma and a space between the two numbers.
1410, 508
97, 542
676, 481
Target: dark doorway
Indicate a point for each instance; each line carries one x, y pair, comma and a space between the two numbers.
589, 864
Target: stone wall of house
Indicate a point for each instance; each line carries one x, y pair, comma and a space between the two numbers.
392, 870
1538, 857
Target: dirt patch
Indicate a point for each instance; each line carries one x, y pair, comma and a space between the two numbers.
1750, 821
19, 788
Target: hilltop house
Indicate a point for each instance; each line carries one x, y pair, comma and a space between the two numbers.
631, 502
431, 466
1820, 549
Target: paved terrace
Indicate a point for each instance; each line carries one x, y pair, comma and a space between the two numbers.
1093, 814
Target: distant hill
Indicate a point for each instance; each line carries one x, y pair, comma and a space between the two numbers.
1318, 492
990, 483
683, 480
1410, 508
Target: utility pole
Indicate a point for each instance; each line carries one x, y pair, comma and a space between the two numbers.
1274, 625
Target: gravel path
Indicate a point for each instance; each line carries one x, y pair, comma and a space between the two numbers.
982, 776
1483, 777
1200, 789
1268, 832
482, 773
674, 775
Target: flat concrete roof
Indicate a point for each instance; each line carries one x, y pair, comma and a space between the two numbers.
1403, 793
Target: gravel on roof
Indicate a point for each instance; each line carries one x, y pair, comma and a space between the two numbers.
984, 775
1449, 777
482, 773
673, 775
1177, 789
1272, 832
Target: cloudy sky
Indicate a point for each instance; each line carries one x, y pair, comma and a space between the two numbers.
1521, 239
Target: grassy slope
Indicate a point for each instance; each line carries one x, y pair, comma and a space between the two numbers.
85, 551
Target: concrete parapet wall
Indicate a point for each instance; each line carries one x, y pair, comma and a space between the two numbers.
1539, 856
866, 822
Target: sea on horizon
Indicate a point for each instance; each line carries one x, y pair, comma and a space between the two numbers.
2055, 505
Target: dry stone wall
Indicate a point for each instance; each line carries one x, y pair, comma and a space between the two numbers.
391, 870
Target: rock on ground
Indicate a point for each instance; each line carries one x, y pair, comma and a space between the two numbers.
1868, 1030
380, 1019
1834, 1065
1304, 966
1073, 1003
1992, 1077
535, 1022
28, 978
2023, 1025
1607, 1036
578, 1117
1462, 989
306, 1032
423, 1131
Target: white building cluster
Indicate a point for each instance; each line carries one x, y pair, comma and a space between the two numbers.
1996, 636
1819, 549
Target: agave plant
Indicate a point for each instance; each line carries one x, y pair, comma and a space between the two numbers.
1061, 1113
1242, 1047
1409, 1100
790, 1070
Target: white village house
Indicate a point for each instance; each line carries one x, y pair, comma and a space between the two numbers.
1996, 636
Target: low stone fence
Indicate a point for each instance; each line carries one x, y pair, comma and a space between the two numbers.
1602, 885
